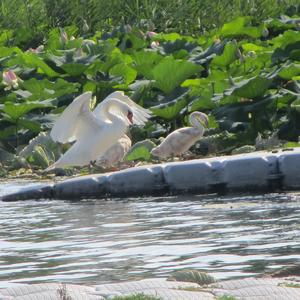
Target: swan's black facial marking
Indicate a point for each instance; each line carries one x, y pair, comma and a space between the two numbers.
130, 116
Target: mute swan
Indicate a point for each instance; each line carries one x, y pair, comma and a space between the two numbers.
181, 140
94, 131
115, 153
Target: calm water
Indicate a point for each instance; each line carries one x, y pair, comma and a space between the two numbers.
105, 241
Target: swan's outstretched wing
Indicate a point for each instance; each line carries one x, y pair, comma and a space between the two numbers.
140, 114
75, 120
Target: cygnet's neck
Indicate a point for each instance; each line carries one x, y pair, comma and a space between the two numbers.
196, 124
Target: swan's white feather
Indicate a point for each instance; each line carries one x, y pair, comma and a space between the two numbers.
89, 148
68, 126
140, 114
94, 131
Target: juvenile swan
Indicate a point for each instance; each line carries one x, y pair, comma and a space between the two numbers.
181, 140
115, 153
94, 131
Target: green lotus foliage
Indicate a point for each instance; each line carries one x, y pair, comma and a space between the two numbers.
145, 61
140, 151
127, 73
245, 76
41, 151
170, 72
15, 111
171, 109
289, 71
228, 56
45, 89
31, 60
296, 105
241, 27
250, 88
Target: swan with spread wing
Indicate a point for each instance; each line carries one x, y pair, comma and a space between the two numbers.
182, 139
93, 132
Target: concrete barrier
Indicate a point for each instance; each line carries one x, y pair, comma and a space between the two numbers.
140, 181
249, 172
39, 191
253, 172
244, 289
82, 187
198, 176
289, 164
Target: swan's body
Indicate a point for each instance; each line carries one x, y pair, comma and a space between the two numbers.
94, 131
181, 140
115, 153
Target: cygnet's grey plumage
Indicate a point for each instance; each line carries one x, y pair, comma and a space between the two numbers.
181, 140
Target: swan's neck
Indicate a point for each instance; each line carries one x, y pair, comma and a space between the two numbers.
115, 118
196, 123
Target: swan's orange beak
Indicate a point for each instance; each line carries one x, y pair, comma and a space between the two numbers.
130, 116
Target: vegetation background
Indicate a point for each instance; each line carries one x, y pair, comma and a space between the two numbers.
171, 56
31, 20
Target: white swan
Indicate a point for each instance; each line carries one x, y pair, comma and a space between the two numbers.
181, 140
115, 153
94, 131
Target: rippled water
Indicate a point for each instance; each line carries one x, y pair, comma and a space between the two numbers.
105, 241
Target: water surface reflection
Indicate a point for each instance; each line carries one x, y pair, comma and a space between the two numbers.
106, 241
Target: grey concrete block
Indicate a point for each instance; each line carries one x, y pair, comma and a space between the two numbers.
249, 172
39, 191
49, 291
289, 166
137, 181
194, 175
259, 171
90, 186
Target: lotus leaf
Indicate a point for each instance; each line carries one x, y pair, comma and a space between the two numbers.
126, 72
250, 88
228, 56
17, 110
140, 151
240, 27
169, 73
34, 61
289, 71
145, 61
170, 110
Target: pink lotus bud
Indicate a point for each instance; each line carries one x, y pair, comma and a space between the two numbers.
150, 34
10, 79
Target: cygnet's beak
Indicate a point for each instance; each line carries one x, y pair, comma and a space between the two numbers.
130, 117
